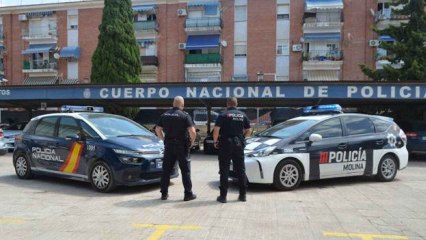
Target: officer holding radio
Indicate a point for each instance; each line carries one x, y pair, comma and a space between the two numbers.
231, 128
179, 136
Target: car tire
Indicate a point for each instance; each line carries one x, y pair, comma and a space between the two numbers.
3, 152
288, 175
22, 166
387, 169
101, 177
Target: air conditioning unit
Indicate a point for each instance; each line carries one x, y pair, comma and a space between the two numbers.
182, 46
22, 17
297, 47
181, 12
374, 43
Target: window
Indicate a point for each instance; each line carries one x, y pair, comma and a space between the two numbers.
68, 126
327, 129
240, 50
282, 48
73, 22
288, 128
381, 125
283, 12
358, 125
46, 127
88, 131
240, 13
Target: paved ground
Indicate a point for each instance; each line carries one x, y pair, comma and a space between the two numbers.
50, 208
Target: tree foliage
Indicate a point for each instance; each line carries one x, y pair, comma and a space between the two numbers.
409, 47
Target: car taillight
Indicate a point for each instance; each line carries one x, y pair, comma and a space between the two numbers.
411, 134
1, 134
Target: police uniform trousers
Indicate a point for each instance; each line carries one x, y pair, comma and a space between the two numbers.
176, 151
230, 149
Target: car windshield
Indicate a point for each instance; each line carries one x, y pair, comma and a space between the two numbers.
288, 128
116, 126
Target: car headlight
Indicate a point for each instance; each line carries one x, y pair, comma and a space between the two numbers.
129, 156
262, 152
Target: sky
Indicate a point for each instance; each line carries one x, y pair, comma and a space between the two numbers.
6, 3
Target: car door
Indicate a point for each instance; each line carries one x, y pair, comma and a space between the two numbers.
43, 145
69, 148
323, 154
362, 139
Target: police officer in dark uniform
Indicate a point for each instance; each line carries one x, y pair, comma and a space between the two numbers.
231, 128
180, 133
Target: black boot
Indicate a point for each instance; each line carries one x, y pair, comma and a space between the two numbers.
164, 196
222, 197
189, 197
242, 198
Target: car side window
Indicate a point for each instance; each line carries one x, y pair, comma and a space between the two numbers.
381, 125
88, 131
356, 125
68, 126
327, 129
46, 127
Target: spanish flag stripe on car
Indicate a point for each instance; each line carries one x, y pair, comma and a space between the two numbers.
73, 159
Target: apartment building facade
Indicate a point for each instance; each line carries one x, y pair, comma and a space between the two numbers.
201, 41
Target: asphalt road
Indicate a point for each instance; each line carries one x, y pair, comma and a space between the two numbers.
348, 208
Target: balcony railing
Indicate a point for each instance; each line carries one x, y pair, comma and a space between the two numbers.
40, 33
387, 14
1, 37
327, 55
203, 23
149, 60
40, 66
319, 24
145, 25
203, 58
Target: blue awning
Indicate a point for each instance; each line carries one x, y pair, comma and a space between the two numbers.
202, 41
1, 46
323, 4
38, 48
70, 52
386, 38
144, 42
210, 8
322, 36
144, 8
40, 14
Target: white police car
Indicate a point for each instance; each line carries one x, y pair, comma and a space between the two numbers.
103, 149
326, 146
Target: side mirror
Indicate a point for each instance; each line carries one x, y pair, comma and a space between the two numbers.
315, 137
73, 137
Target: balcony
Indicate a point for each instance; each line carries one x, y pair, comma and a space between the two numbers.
40, 34
149, 60
322, 25
209, 59
144, 26
203, 24
323, 60
40, 66
1, 37
386, 18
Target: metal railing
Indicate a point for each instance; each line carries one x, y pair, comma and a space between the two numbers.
318, 24
203, 58
37, 33
145, 25
40, 65
327, 55
203, 22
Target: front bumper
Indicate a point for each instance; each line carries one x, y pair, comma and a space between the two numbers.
131, 175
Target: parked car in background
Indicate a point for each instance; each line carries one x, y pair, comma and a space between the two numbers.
3, 147
208, 144
10, 132
416, 136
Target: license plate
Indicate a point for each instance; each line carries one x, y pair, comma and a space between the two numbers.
159, 163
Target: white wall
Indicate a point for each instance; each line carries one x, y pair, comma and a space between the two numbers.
72, 41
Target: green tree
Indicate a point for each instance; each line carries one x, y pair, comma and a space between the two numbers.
409, 46
116, 59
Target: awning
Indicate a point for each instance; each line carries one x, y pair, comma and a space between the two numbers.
210, 8
1, 46
40, 80
38, 48
312, 5
39, 14
202, 41
322, 36
69, 81
70, 52
144, 42
144, 8
322, 75
386, 38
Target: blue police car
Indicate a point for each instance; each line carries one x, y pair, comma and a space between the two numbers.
88, 145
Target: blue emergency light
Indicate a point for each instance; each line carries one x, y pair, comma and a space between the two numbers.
68, 108
322, 109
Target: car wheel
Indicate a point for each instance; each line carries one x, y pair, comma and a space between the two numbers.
3, 152
101, 177
287, 176
22, 167
388, 168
